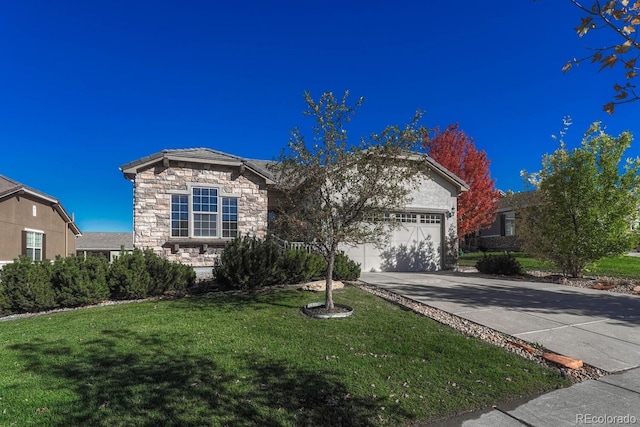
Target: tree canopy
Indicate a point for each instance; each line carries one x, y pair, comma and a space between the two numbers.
622, 19
456, 151
336, 192
585, 204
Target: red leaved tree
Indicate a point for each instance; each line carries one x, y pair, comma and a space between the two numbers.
454, 150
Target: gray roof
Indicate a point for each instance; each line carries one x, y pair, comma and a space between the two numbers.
9, 187
260, 167
104, 240
202, 155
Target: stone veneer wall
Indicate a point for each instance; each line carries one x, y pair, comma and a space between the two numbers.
152, 208
501, 243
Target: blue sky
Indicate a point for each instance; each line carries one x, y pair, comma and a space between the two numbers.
86, 87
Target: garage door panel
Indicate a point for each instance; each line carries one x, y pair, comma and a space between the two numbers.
416, 246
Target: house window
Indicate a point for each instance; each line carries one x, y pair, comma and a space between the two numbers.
203, 213
34, 245
229, 217
510, 224
179, 215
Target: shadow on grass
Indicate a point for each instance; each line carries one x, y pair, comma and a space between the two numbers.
127, 378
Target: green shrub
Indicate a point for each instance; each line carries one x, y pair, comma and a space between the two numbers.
248, 263
78, 282
128, 277
167, 276
499, 264
344, 268
299, 266
26, 286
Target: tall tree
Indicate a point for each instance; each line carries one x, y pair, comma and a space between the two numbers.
335, 192
585, 205
456, 151
620, 18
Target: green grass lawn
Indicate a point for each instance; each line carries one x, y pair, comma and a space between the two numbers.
244, 360
622, 266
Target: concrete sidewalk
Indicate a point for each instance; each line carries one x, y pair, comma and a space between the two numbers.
601, 328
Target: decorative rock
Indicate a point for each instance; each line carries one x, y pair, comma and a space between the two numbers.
320, 285
565, 361
636, 289
523, 346
603, 287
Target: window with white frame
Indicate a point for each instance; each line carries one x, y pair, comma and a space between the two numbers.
34, 245
430, 219
179, 215
204, 213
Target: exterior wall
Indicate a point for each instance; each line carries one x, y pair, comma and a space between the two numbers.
17, 214
500, 243
152, 204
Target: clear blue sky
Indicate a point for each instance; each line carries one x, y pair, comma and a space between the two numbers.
86, 87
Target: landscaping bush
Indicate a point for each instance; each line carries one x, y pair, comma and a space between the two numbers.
499, 264
299, 266
345, 268
128, 277
248, 262
167, 276
26, 286
79, 282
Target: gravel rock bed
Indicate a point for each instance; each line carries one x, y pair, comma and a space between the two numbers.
467, 327
620, 285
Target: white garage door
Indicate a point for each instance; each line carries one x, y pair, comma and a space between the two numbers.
416, 246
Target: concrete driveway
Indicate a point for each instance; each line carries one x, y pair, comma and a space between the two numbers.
599, 327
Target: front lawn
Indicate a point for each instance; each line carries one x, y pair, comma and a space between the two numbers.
622, 266
244, 360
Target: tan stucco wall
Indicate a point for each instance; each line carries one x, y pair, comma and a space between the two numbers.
152, 203
17, 214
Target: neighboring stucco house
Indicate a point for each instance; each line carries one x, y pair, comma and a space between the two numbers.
104, 243
33, 223
189, 203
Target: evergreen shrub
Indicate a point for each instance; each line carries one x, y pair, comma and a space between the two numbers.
504, 264
77, 281
26, 286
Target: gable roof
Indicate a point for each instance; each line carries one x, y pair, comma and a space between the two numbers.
9, 187
259, 167
104, 240
197, 155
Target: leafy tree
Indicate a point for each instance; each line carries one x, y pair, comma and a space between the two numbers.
454, 150
622, 19
585, 204
335, 192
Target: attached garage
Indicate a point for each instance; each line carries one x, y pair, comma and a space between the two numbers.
428, 224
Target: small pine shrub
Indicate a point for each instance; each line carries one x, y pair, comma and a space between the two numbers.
167, 276
79, 282
26, 286
344, 268
249, 262
504, 264
299, 266
128, 277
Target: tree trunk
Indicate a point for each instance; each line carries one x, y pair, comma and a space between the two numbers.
329, 284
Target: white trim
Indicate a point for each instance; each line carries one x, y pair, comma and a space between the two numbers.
34, 230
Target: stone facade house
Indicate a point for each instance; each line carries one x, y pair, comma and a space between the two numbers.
33, 224
188, 203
